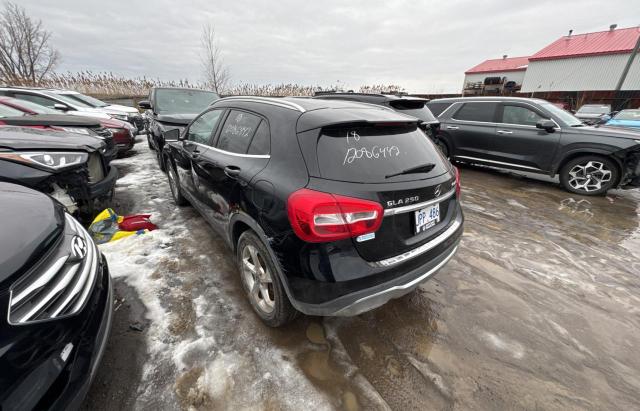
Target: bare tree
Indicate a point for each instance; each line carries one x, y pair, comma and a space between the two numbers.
216, 72
26, 55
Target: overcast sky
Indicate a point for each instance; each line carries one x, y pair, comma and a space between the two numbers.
423, 46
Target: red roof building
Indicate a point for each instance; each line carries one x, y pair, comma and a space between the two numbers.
500, 65
585, 62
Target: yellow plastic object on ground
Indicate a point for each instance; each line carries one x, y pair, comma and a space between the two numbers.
106, 227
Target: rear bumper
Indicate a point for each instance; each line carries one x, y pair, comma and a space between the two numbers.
368, 298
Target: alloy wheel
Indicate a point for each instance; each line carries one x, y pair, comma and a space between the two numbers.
257, 279
589, 176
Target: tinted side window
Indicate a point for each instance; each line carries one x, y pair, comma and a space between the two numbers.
519, 115
477, 112
201, 129
43, 101
238, 131
261, 143
438, 108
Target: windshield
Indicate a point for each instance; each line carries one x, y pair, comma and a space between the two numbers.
178, 101
628, 115
93, 102
36, 108
71, 101
566, 117
594, 110
6, 111
414, 108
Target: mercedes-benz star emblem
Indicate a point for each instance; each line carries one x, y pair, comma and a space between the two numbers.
78, 248
437, 191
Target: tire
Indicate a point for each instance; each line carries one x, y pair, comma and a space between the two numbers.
149, 142
261, 282
161, 163
174, 185
589, 175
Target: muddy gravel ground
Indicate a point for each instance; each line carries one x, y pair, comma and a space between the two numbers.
538, 310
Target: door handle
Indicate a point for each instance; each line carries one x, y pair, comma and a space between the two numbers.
504, 132
453, 128
232, 171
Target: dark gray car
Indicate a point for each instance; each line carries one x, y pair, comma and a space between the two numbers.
536, 136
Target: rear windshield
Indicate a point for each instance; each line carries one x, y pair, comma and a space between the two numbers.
36, 108
414, 108
370, 154
594, 109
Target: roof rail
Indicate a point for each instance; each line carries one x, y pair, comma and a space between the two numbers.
275, 101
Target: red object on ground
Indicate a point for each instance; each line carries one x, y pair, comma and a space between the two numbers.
136, 222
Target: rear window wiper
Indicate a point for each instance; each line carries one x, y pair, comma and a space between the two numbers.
423, 168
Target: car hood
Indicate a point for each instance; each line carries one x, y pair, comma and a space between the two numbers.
51, 120
608, 131
115, 123
91, 113
176, 118
624, 123
31, 221
122, 109
24, 138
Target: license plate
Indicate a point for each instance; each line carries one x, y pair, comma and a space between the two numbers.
427, 218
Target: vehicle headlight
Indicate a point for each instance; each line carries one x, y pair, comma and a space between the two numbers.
52, 160
122, 117
78, 130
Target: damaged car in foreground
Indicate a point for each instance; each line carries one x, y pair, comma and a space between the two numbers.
68, 166
55, 301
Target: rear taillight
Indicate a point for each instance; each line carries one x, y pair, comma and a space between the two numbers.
457, 181
318, 217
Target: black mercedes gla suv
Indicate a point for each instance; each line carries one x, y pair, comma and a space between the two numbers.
55, 303
331, 207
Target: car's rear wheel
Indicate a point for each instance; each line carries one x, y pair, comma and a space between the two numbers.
174, 185
261, 282
589, 175
149, 142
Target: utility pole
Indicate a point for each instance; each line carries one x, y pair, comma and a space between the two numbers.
626, 69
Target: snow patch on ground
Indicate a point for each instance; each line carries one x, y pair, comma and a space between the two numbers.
500, 343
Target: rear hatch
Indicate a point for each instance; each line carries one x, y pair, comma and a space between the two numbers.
366, 160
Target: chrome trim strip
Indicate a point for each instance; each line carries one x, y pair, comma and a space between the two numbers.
420, 250
41, 281
61, 285
404, 287
497, 162
229, 152
412, 207
266, 100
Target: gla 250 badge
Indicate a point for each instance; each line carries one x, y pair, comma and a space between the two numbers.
405, 201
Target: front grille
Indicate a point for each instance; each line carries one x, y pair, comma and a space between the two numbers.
61, 283
95, 168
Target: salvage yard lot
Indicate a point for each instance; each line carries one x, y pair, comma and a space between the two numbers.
539, 308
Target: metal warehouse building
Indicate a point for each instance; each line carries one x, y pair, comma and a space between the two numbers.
491, 76
586, 62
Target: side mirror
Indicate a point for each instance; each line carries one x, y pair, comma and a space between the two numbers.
173, 135
61, 107
144, 104
547, 125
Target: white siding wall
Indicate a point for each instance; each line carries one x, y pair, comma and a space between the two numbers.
581, 74
516, 76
